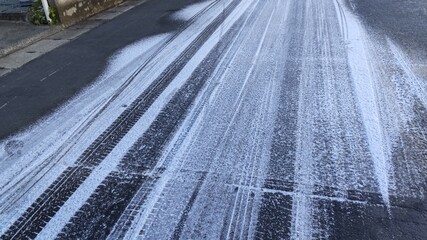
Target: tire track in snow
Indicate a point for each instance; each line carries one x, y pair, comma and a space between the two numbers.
365, 90
274, 217
331, 149
35, 218
164, 165
346, 129
50, 160
29, 180
326, 179
141, 159
214, 154
417, 87
409, 134
255, 151
240, 201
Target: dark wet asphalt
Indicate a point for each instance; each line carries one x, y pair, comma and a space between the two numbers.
403, 20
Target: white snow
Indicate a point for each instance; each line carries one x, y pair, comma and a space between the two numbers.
132, 53
191, 150
417, 86
55, 225
57, 141
365, 87
347, 124
190, 11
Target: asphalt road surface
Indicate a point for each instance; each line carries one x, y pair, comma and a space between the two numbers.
229, 119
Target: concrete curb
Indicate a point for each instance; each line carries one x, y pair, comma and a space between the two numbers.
71, 12
28, 41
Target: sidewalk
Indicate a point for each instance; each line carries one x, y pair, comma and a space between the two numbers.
15, 35
22, 42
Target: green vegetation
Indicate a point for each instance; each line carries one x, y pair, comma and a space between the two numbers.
37, 16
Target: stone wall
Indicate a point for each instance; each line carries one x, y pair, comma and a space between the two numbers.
72, 11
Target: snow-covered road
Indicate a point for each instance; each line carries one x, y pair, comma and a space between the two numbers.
277, 119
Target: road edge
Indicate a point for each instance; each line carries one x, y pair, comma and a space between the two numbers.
22, 52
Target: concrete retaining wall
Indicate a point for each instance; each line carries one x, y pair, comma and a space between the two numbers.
72, 11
